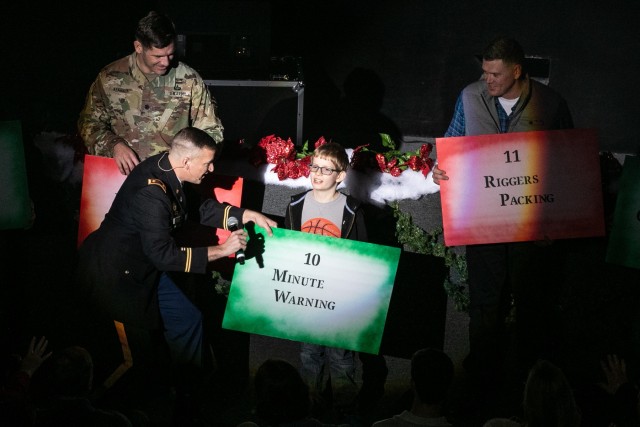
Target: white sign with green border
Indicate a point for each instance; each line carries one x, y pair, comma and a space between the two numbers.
315, 289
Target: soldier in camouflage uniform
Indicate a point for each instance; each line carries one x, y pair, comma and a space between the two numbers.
138, 103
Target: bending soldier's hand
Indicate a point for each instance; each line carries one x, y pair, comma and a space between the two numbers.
125, 158
439, 175
259, 219
237, 240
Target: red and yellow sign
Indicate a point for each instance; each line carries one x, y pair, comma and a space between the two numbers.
522, 186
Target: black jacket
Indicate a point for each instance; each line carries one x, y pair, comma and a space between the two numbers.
353, 225
120, 263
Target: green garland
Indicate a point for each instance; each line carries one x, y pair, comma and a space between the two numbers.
222, 285
422, 242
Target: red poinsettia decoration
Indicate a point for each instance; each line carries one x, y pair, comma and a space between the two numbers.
393, 161
292, 169
289, 163
392, 166
273, 149
421, 161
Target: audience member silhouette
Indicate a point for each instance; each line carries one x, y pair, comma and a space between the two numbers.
502, 422
16, 407
548, 400
431, 377
612, 400
66, 390
282, 397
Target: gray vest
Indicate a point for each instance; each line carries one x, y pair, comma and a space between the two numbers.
539, 108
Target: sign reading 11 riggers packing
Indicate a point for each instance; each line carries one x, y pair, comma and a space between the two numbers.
521, 186
315, 289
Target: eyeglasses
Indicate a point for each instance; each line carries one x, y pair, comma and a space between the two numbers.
323, 170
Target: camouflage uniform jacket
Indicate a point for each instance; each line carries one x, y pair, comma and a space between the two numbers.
123, 103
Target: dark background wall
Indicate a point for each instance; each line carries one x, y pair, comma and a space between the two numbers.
411, 56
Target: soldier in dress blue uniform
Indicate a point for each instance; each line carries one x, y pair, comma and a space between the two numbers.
124, 266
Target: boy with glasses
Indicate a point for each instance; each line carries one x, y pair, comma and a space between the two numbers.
325, 210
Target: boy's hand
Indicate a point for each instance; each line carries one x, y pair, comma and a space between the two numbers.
259, 219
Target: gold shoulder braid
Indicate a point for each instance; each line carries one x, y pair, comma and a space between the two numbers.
158, 182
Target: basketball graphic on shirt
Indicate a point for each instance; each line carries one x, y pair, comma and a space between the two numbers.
321, 226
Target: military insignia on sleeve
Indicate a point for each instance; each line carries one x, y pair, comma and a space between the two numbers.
159, 183
189, 254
